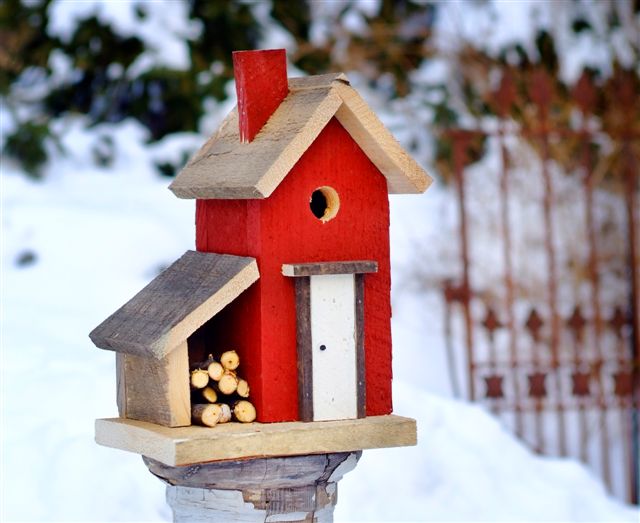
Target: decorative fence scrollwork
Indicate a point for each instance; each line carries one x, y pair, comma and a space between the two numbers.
551, 337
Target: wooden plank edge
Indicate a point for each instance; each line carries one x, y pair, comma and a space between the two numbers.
136, 438
191, 191
332, 267
360, 349
301, 440
156, 442
316, 81
303, 348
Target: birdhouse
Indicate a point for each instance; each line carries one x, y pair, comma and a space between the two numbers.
292, 266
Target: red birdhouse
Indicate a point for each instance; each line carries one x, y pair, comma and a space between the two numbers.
292, 269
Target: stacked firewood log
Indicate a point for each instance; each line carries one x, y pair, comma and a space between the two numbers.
218, 393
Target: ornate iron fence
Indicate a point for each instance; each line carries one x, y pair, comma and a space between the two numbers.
551, 329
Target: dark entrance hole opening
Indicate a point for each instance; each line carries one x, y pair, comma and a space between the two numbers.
324, 203
318, 203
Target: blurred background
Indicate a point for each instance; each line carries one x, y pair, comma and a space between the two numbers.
516, 284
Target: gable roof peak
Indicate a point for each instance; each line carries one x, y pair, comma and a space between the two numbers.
227, 168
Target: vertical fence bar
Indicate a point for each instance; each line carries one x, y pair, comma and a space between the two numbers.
503, 100
627, 98
597, 313
585, 96
624, 392
491, 324
460, 142
449, 298
576, 324
541, 95
537, 378
634, 298
508, 280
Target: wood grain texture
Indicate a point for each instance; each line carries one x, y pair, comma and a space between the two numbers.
303, 344
329, 267
294, 488
121, 385
282, 229
261, 85
190, 445
154, 390
360, 351
316, 81
278, 472
298, 505
225, 167
176, 303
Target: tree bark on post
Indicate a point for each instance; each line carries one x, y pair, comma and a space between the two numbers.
292, 488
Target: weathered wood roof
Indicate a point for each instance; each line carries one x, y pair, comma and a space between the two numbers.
225, 167
175, 304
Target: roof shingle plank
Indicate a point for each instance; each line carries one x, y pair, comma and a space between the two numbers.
176, 303
227, 168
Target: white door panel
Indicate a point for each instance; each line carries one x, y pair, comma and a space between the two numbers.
333, 347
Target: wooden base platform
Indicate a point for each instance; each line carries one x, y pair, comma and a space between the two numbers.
189, 445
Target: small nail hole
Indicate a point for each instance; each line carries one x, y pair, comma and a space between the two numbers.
323, 347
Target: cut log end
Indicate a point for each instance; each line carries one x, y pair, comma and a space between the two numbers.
206, 414
226, 413
230, 360
243, 388
244, 411
228, 383
215, 370
199, 379
210, 394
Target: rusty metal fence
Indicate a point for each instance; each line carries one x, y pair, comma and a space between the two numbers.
548, 319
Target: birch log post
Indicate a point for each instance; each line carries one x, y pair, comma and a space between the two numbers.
292, 489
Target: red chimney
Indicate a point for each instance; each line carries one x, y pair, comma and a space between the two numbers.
261, 84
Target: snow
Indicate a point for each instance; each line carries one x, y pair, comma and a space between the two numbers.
504, 23
97, 236
466, 467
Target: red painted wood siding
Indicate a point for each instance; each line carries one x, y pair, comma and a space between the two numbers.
282, 229
233, 227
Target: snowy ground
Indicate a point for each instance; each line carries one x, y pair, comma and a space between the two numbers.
78, 245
